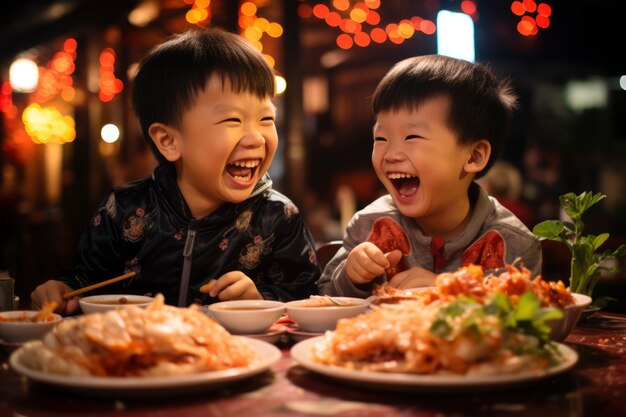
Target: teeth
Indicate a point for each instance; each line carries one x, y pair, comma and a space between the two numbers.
399, 175
247, 164
240, 178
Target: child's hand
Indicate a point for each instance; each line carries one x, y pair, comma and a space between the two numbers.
413, 278
52, 291
366, 262
234, 285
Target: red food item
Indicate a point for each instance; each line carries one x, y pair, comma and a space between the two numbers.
387, 235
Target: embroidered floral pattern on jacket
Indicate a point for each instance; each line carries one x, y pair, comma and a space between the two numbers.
251, 255
97, 220
223, 244
136, 225
110, 206
243, 221
179, 235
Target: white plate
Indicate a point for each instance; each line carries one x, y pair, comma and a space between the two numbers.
301, 352
131, 386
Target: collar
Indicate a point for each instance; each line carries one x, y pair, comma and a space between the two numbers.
164, 177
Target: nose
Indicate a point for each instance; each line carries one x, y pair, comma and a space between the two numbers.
394, 153
252, 139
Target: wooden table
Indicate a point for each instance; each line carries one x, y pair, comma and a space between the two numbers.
595, 387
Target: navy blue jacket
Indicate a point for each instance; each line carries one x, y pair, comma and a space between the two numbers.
147, 227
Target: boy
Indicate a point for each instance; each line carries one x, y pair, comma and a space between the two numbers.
207, 225
440, 122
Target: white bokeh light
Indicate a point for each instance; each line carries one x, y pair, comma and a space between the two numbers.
281, 84
110, 133
24, 75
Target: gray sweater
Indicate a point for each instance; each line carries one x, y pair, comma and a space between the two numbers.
491, 226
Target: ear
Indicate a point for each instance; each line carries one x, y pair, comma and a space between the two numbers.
165, 138
480, 152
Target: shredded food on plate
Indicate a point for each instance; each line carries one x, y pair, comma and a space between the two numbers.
470, 281
159, 340
467, 324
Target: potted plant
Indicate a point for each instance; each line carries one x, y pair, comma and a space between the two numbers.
586, 263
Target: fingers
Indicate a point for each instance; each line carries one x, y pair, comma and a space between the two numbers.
240, 290
393, 257
206, 288
365, 262
71, 306
50, 291
234, 285
376, 256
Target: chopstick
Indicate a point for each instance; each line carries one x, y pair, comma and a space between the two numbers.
79, 291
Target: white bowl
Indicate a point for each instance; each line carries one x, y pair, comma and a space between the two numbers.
247, 316
562, 327
319, 318
105, 302
24, 330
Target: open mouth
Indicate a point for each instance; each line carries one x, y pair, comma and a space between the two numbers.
405, 184
243, 170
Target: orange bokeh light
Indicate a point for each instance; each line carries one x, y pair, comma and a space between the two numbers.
344, 41
350, 26
428, 27
333, 19
372, 4
70, 45
341, 4
248, 8
320, 11
373, 18
362, 39
378, 35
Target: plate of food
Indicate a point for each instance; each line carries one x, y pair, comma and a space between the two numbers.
302, 353
159, 385
453, 343
173, 350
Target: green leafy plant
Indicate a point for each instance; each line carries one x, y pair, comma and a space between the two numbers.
586, 263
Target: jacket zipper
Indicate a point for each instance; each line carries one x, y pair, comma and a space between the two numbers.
184, 282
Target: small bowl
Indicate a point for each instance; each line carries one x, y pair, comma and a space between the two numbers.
247, 316
312, 317
23, 331
105, 302
562, 327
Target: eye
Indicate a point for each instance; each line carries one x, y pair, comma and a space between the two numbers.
379, 139
412, 137
231, 120
268, 119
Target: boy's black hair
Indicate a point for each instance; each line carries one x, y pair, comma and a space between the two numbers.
172, 74
481, 105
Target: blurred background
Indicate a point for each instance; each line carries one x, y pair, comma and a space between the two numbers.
68, 134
